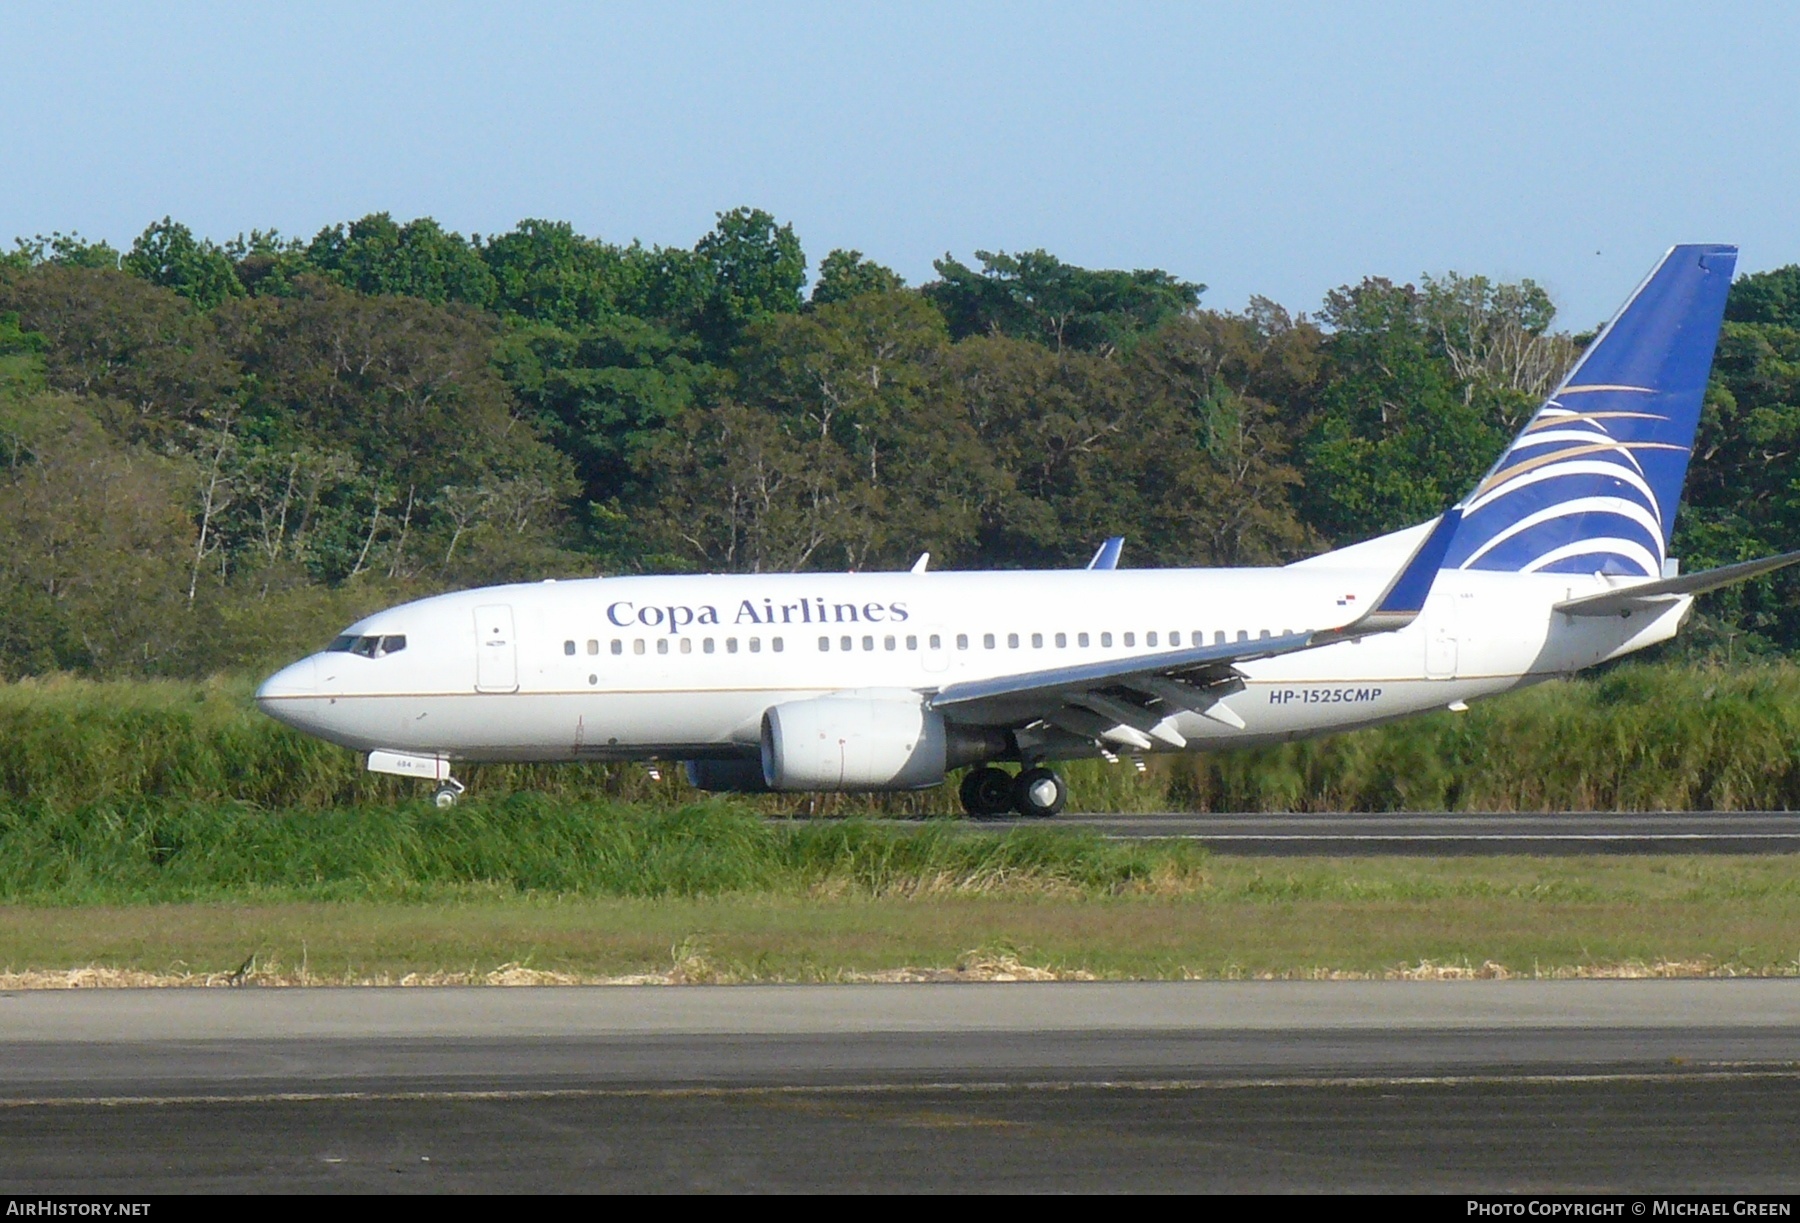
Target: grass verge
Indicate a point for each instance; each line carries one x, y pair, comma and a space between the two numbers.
1238, 917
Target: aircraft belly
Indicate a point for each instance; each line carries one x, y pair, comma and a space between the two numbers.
552, 726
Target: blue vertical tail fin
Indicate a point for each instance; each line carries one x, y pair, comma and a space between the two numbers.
1592, 482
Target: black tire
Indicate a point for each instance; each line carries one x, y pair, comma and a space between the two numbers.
987, 792
1039, 794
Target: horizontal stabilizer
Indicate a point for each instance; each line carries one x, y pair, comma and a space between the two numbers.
1649, 596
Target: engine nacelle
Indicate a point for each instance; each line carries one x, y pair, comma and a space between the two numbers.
853, 743
728, 776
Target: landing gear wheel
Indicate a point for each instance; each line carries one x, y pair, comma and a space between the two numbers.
447, 794
987, 792
1039, 794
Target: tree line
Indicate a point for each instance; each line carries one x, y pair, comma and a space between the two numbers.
213, 454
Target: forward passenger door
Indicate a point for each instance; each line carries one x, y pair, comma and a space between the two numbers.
496, 650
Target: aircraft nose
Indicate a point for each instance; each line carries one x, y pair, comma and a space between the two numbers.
300, 679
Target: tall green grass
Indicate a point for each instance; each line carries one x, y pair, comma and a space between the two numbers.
1640, 737
151, 851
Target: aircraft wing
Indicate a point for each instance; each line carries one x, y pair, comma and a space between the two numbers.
1128, 701
1659, 593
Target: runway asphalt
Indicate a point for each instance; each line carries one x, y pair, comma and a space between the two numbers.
1677, 1086
1448, 834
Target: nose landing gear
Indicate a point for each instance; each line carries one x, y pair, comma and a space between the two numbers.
429, 768
1036, 793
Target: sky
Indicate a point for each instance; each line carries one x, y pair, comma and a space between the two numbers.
1268, 149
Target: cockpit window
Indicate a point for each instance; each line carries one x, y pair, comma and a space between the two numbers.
377, 645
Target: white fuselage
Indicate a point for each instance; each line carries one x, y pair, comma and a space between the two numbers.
684, 667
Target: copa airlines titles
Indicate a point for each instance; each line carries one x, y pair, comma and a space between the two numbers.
676, 617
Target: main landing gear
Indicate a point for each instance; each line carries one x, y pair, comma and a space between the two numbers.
1036, 793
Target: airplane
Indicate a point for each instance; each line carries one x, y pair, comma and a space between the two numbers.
1556, 560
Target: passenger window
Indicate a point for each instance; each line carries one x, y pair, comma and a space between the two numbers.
1062, 641
1130, 639
687, 645
846, 643
731, 645
618, 647
593, 646
912, 642
888, 643
568, 647
637, 646
1263, 633
775, 644
756, 645
1037, 641
1149, 638
1012, 641
706, 646
1242, 635
1199, 637
937, 642
662, 645
1081, 639
868, 644
987, 641
962, 641
1106, 640
824, 645
1218, 637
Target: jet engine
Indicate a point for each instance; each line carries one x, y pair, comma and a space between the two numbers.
854, 743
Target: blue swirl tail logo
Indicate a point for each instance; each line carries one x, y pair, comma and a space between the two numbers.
1592, 482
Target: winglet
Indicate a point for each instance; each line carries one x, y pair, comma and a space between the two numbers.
1404, 598
920, 565
1108, 555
